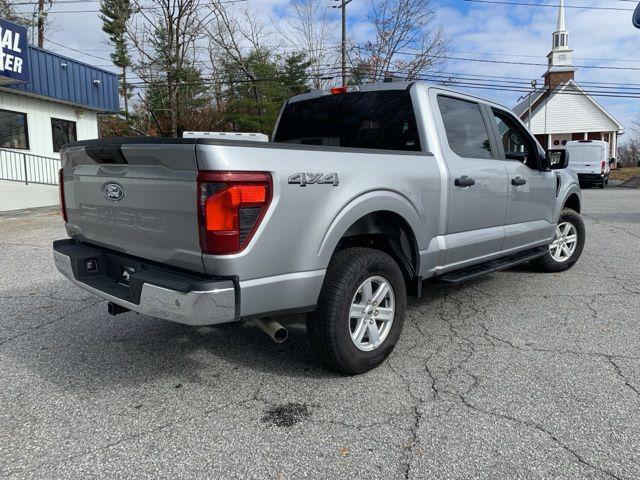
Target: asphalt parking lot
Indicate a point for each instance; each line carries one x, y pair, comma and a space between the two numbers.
515, 375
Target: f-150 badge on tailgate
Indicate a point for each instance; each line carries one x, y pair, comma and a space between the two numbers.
113, 192
304, 179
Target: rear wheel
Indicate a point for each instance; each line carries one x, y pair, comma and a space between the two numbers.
567, 245
360, 311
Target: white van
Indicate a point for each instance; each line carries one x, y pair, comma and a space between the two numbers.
590, 160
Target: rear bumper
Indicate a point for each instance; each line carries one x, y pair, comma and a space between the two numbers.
591, 177
152, 290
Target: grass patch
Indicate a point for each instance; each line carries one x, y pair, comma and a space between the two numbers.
624, 173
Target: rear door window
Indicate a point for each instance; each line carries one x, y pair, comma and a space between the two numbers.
465, 128
375, 120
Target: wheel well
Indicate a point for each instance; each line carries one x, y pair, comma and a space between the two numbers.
573, 202
389, 232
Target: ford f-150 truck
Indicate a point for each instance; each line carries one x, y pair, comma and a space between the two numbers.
363, 194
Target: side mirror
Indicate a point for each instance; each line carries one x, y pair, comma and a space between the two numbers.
557, 159
636, 17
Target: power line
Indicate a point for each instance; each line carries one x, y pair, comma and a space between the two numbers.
451, 76
483, 60
76, 50
98, 11
433, 78
523, 55
527, 4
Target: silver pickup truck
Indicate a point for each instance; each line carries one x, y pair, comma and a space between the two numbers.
362, 196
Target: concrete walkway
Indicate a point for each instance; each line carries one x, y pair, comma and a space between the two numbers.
18, 196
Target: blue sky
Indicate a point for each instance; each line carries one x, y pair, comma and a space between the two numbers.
476, 30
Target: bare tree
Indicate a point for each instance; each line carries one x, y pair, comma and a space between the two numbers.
406, 44
232, 37
635, 125
310, 30
8, 10
163, 34
629, 153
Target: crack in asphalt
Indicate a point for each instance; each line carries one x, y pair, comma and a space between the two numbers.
48, 297
626, 381
474, 316
53, 320
460, 329
131, 437
543, 430
22, 244
612, 226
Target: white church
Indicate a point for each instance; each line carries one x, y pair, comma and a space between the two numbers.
561, 110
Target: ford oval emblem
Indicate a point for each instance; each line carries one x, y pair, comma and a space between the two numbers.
113, 192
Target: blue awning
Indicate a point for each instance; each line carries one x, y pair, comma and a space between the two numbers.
61, 78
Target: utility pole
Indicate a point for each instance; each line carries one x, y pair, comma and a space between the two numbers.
343, 6
41, 17
534, 84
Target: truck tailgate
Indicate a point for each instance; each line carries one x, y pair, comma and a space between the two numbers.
136, 197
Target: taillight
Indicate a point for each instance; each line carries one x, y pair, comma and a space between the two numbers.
339, 90
231, 207
602, 166
63, 205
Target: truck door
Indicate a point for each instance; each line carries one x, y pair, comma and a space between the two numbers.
532, 191
478, 182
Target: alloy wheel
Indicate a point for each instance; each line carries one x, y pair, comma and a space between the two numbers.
564, 243
371, 313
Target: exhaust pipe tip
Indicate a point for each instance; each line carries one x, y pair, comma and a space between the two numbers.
280, 335
273, 329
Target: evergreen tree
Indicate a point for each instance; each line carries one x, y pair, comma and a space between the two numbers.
254, 99
114, 15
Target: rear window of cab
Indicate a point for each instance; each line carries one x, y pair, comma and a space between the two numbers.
382, 120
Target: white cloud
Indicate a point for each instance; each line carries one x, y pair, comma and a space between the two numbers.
525, 33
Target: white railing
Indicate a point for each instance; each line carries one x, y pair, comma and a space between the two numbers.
28, 168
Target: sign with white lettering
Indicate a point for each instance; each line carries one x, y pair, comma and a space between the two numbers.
14, 54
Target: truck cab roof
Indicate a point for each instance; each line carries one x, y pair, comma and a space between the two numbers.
392, 85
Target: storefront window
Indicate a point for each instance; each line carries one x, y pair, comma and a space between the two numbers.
13, 130
63, 131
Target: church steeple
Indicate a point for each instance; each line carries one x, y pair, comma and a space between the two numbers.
561, 35
560, 60
561, 26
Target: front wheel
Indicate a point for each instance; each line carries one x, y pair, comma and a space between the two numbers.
360, 311
567, 245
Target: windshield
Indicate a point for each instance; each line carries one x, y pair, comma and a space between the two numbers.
377, 120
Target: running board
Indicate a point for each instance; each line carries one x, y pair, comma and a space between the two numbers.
491, 266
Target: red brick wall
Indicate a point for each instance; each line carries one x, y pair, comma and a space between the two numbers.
553, 79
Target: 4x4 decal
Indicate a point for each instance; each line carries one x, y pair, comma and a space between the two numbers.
303, 179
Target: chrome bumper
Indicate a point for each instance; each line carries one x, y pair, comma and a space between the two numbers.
209, 307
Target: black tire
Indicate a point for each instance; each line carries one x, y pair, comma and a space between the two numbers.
601, 184
547, 263
328, 327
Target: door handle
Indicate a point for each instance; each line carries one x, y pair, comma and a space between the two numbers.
464, 181
518, 181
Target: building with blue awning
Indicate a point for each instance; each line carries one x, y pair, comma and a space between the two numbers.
46, 100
